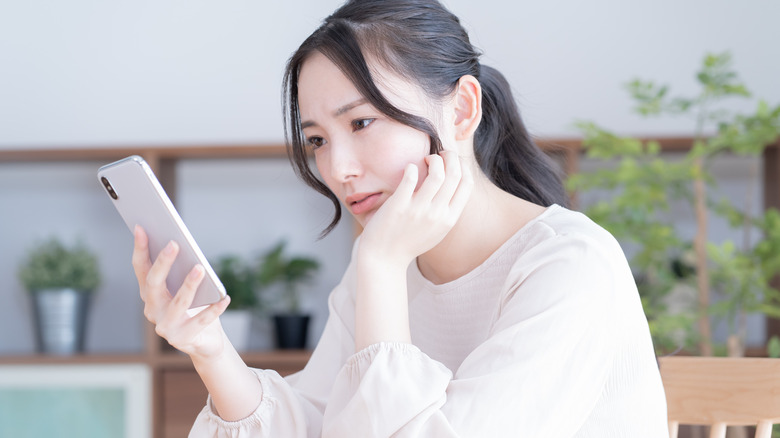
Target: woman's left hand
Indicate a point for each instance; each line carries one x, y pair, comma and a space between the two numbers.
412, 222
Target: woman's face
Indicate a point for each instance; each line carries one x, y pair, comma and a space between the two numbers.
360, 153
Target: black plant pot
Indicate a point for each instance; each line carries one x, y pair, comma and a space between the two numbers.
291, 331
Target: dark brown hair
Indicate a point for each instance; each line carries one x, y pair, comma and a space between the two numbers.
423, 42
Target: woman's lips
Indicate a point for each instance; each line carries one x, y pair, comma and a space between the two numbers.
360, 203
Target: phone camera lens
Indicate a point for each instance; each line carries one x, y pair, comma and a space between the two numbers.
110, 189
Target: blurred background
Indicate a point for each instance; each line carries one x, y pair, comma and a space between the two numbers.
89, 75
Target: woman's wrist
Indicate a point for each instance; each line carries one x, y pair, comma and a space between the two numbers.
217, 358
234, 388
370, 257
381, 304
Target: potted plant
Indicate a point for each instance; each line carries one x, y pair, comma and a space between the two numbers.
644, 185
240, 281
287, 274
61, 281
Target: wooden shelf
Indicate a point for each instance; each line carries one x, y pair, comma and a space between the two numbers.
275, 359
269, 359
149, 152
77, 359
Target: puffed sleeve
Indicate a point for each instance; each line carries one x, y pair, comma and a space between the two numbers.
292, 407
539, 373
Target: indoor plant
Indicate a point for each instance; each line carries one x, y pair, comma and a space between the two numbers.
642, 186
287, 274
61, 281
240, 283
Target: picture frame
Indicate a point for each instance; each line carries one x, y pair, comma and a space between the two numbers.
75, 400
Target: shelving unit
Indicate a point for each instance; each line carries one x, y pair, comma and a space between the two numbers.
178, 394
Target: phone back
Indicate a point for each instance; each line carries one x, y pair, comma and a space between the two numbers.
141, 200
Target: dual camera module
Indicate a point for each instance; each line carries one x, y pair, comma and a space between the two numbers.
108, 187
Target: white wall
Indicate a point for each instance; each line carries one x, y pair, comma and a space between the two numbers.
88, 72
99, 73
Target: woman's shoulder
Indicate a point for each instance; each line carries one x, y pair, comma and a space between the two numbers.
562, 221
563, 256
563, 239
559, 227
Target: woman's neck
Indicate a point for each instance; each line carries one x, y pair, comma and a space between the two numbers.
490, 218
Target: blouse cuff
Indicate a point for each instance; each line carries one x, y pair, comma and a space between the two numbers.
383, 387
255, 418
368, 354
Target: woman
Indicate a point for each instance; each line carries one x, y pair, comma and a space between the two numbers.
475, 304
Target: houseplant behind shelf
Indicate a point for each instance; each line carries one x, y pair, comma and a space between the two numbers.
240, 283
287, 274
644, 186
61, 281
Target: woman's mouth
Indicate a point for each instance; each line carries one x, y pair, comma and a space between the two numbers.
360, 203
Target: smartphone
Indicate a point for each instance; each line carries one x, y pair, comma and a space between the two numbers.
140, 200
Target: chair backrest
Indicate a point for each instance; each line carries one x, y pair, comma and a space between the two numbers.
722, 391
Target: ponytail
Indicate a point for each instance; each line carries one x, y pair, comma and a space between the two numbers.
505, 150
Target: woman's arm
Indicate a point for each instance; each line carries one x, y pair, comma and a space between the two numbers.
381, 307
293, 406
235, 390
410, 223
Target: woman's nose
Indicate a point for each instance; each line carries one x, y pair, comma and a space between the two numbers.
344, 161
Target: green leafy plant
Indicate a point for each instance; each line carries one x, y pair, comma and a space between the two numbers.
275, 267
53, 265
240, 282
773, 347
642, 185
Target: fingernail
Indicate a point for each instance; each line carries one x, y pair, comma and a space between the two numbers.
196, 272
170, 248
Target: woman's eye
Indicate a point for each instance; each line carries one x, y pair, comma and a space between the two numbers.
315, 142
359, 124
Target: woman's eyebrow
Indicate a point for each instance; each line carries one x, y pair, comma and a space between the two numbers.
349, 106
339, 111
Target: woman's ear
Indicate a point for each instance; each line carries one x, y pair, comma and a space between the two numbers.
468, 107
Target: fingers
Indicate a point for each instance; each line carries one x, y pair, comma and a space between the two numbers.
158, 273
181, 302
186, 294
153, 288
453, 178
445, 175
197, 323
405, 189
141, 261
432, 183
184, 330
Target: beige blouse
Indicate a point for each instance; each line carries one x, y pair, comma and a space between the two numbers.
547, 338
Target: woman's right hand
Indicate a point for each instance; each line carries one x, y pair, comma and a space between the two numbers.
196, 335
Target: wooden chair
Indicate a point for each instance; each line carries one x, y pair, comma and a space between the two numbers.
720, 392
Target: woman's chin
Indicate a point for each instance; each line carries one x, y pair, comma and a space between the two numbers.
364, 219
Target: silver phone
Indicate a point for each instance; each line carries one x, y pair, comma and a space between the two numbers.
140, 200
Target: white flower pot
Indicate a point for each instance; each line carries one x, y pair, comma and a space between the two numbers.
237, 325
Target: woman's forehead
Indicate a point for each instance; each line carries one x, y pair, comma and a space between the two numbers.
322, 82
